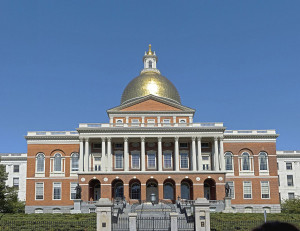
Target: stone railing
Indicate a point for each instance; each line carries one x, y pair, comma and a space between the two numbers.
53, 133
238, 132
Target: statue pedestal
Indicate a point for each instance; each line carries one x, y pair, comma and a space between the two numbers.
77, 206
228, 208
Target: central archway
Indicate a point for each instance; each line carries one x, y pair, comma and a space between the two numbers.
151, 187
210, 189
117, 189
94, 190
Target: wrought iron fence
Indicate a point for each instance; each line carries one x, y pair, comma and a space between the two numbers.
88, 225
121, 224
153, 223
186, 224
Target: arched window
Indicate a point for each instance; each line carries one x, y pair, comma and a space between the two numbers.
40, 162
75, 162
57, 162
245, 161
168, 191
150, 64
119, 190
135, 192
263, 161
228, 161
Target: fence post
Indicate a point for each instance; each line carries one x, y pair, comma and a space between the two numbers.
132, 221
174, 217
103, 210
202, 214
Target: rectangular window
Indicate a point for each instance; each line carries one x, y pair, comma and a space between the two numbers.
290, 181
135, 161
183, 145
206, 163
167, 160
151, 160
151, 121
247, 190
16, 168
231, 185
73, 190
289, 166
97, 145
118, 145
205, 145
291, 196
184, 160
56, 191
39, 191
16, 182
119, 160
135, 122
265, 189
166, 122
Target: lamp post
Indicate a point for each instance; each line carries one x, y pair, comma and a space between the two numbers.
153, 198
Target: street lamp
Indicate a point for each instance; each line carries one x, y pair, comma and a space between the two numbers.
153, 198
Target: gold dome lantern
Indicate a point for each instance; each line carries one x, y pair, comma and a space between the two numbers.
150, 82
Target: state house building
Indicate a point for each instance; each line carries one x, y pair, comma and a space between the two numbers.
151, 145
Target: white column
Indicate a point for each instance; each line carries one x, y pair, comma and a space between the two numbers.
143, 121
126, 155
86, 156
200, 167
81, 156
103, 159
222, 158
176, 154
194, 164
216, 155
159, 147
109, 155
143, 153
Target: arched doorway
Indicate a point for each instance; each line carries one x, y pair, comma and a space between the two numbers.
151, 187
186, 189
94, 190
169, 190
117, 189
210, 189
135, 189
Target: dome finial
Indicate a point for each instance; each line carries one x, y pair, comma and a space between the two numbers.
149, 52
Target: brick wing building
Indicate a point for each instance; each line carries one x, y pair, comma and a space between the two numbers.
151, 145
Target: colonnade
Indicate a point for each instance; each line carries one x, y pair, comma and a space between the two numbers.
195, 157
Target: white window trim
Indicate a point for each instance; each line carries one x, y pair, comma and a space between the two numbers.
287, 182
63, 165
71, 190
42, 173
261, 190
150, 123
119, 123
232, 170
166, 122
53, 191
43, 191
136, 153
188, 158
71, 162
263, 172
244, 191
208, 163
153, 153
291, 163
135, 122
234, 189
167, 152
251, 168
119, 153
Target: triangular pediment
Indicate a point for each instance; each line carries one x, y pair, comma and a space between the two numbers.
151, 103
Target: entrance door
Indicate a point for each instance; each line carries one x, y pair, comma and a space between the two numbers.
152, 188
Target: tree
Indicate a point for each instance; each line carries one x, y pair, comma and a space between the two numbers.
291, 206
9, 202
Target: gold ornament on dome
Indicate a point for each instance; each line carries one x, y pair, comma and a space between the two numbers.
150, 83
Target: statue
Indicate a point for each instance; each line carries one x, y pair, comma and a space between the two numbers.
78, 192
227, 190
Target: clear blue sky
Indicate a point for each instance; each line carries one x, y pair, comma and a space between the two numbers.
67, 62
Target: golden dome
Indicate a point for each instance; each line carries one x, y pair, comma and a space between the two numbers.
150, 83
